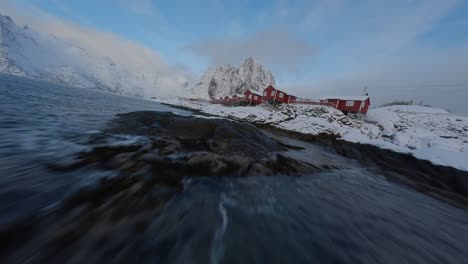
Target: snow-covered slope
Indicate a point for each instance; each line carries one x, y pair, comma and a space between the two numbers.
229, 80
25, 52
427, 133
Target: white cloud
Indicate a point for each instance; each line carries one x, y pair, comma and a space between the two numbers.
383, 44
437, 77
278, 49
134, 57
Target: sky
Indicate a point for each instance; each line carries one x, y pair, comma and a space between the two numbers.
400, 49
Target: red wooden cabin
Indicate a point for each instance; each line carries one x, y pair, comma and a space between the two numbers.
348, 104
252, 97
237, 99
226, 100
292, 99
270, 94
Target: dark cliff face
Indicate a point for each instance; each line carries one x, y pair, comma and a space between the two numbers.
212, 88
7, 39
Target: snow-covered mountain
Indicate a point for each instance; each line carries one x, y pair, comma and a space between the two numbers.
25, 52
229, 80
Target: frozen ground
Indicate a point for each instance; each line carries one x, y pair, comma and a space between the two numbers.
427, 133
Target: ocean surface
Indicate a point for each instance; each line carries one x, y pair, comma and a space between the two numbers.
350, 215
42, 122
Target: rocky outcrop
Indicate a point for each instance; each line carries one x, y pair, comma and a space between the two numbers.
442, 182
100, 222
229, 80
145, 177
187, 146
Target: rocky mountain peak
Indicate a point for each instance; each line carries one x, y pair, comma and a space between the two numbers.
250, 63
226, 79
4, 20
6, 26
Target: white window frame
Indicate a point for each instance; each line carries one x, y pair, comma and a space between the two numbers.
350, 103
250, 96
265, 93
272, 93
281, 95
255, 97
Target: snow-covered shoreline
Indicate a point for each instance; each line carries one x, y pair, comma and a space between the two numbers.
426, 133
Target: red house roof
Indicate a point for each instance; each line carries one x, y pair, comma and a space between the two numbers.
247, 92
273, 94
349, 104
345, 98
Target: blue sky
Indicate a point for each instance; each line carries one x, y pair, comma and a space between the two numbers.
312, 47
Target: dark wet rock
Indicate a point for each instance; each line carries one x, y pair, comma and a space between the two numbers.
186, 146
422, 174
442, 182
146, 176
285, 165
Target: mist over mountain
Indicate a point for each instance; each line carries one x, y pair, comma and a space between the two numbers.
24, 52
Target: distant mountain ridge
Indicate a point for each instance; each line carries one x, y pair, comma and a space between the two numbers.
229, 80
24, 52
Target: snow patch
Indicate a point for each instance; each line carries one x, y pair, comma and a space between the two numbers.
427, 133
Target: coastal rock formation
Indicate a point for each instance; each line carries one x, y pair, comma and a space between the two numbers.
145, 176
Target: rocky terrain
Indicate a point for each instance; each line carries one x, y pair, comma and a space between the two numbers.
426, 133
146, 175
117, 218
229, 80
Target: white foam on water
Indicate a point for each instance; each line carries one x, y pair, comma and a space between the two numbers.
124, 139
217, 248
